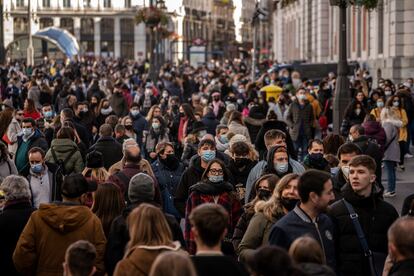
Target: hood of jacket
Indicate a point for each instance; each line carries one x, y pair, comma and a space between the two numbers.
210, 188
63, 145
64, 218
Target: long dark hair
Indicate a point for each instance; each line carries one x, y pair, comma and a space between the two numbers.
188, 111
223, 167
4, 152
163, 127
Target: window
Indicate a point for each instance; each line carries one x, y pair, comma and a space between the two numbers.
20, 25
86, 3
66, 3
19, 3
127, 3
45, 22
107, 3
67, 24
46, 3
87, 26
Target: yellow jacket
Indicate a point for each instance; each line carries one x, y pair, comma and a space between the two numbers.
315, 107
403, 130
377, 113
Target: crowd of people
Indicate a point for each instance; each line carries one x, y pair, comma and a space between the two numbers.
200, 172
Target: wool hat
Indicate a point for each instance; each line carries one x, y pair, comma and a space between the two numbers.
15, 187
141, 188
94, 160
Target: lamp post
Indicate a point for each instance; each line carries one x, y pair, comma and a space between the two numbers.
30, 50
255, 19
2, 51
342, 82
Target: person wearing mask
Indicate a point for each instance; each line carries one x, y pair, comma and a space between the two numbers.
263, 189
209, 224
158, 133
30, 111
14, 216
139, 122
217, 104
300, 120
167, 170
7, 166
237, 126
278, 162
221, 138
147, 100
108, 146
315, 158
67, 115
379, 105
213, 188
54, 227
354, 115
210, 120
283, 200
84, 116
141, 191
391, 123
363, 198
31, 137
316, 192
103, 111
206, 152
185, 122
118, 103
400, 247
345, 153
13, 131
272, 139
280, 108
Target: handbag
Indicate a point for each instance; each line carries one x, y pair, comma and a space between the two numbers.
323, 120
376, 259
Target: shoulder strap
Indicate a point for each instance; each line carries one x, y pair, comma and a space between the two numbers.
70, 155
54, 156
326, 106
390, 142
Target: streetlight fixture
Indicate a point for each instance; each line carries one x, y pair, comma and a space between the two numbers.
30, 50
342, 94
2, 51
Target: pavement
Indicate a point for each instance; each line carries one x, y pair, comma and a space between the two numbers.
404, 186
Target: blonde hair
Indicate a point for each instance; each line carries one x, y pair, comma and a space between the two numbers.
150, 114
173, 264
97, 174
272, 207
148, 226
307, 250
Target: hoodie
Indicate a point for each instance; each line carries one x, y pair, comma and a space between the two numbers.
49, 232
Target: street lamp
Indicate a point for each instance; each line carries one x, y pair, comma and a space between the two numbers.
30, 50
342, 96
2, 51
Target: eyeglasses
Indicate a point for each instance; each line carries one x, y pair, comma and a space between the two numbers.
216, 172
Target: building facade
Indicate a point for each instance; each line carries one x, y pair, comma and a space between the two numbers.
246, 32
381, 40
101, 27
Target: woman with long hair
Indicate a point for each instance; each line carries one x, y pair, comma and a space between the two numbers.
213, 188
94, 171
107, 204
150, 236
186, 120
155, 111
354, 115
157, 133
104, 110
30, 111
128, 123
7, 166
284, 199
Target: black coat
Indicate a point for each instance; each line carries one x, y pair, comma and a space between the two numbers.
375, 216
240, 176
111, 150
408, 205
119, 236
402, 268
210, 121
12, 220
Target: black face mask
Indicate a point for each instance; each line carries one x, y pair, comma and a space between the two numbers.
241, 162
128, 127
182, 114
264, 194
289, 203
316, 157
171, 161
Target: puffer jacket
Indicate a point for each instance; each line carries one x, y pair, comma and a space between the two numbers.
392, 151
237, 128
64, 149
375, 216
374, 130
49, 232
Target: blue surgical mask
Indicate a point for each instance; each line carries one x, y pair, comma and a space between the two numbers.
281, 167
134, 112
380, 104
27, 131
48, 114
208, 155
334, 170
155, 125
37, 168
216, 178
223, 139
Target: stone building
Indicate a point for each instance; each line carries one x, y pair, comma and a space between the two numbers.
381, 40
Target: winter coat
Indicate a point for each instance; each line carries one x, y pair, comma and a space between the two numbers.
211, 122
221, 193
402, 268
241, 227
111, 150
372, 149
37, 140
254, 126
119, 236
49, 232
7, 167
119, 104
392, 152
12, 131
64, 149
168, 180
240, 176
236, 128
150, 141
144, 166
351, 118
402, 115
300, 118
13, 219
268, 125
376, 132
257, 172
139, 124
313, 269
375, 216
140, 258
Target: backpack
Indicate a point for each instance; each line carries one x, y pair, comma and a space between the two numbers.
61, 163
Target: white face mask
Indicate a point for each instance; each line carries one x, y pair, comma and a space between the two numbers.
345, 171
357, 111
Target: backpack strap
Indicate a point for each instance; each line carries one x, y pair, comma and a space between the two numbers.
70, 155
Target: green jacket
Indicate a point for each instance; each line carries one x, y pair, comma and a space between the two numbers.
63, 148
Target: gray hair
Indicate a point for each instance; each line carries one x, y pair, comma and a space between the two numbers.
15, 187
128, 142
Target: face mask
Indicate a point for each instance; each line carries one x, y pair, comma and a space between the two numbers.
170, 161
48, 114
106, 111
345, 171
396, 104
85, 110
216, 99
165, 95
148, 92
182, 114
301, 97
239, 101
223, 139
204, 101
334, 170
350, 138
27, 131
264, 194
134, 112
128, 127
380, 104
357, 111
155, 125
216, 178
242, 90
316, 156
281, 167
289, 203
37, 168
241, 162
208, 155
388, 93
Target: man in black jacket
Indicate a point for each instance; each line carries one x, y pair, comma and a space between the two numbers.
401, 246
107, 145
374, 215
140, 190
67, 115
